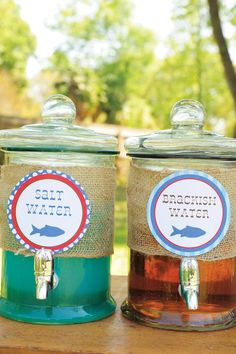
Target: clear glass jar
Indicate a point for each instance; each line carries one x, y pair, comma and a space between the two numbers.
78, 286
176, 281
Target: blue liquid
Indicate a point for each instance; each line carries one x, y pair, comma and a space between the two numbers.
82, 294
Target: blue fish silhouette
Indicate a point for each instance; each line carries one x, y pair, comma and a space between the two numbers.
49, 231
188, 231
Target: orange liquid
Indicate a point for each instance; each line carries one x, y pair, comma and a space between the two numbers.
154, 298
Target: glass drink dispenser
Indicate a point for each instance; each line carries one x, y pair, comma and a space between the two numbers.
56, 213
182, 226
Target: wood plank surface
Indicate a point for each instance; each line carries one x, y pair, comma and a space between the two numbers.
115, 335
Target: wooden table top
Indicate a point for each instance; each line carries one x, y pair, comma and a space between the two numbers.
115, 335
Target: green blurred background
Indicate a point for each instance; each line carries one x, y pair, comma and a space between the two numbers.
124, 63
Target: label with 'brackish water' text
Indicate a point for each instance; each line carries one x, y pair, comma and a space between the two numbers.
188, 212
48, 209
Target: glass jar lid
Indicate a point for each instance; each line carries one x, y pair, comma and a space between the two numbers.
186, 139
57, 132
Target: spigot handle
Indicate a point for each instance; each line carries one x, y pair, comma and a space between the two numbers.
42, 288
43, 271
43, 262
190, 282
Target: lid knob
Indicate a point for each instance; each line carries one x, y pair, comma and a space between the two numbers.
187, 114
59, 109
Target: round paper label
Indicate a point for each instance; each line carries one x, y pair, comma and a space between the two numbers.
188, 213
48, 209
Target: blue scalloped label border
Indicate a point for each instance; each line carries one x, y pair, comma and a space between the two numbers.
28, 179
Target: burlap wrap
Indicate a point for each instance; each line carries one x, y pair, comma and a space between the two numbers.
99, 184
140, 185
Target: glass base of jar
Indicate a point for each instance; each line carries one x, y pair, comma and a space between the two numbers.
57, 314
182, 321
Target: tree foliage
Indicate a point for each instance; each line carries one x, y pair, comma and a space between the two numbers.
227, 63
193, 68
15, 102
16, 42
109, 66
106, 60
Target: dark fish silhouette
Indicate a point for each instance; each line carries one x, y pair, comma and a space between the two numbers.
188, 231
49, 231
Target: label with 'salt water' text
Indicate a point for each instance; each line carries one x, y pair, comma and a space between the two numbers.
188, 212
48, 209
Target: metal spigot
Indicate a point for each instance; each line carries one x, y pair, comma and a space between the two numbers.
189, 282
44, 273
